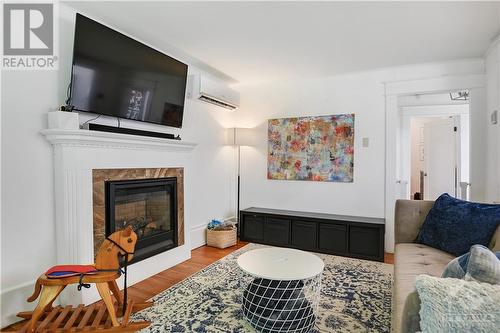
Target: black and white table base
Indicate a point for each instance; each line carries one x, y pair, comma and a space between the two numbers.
280, 289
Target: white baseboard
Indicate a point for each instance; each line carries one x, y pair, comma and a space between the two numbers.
14, 301
198, 236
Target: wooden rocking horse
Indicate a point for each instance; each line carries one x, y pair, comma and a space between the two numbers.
120, 244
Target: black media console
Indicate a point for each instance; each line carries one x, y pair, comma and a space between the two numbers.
350, 236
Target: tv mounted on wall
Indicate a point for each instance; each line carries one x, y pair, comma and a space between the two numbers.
115, 75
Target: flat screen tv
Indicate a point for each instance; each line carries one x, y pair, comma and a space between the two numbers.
117, 76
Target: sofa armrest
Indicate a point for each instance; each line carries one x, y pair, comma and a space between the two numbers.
411, 314
409, 217
495, 241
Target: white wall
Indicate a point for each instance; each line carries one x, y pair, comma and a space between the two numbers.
464, 148
358, 93
28, 229
493, 131
28, 239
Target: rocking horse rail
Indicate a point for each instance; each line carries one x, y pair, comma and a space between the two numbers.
98, 317
24, 328
48, 319
86, 317
73, 317
61, 317
91, 318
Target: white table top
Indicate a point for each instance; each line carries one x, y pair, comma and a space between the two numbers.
276, 263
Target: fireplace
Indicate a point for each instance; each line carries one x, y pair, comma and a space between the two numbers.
149, 206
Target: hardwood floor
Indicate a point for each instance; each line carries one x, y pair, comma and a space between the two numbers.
200, 258
389, 258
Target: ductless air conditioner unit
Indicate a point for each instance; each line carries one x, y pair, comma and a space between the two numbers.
214, 92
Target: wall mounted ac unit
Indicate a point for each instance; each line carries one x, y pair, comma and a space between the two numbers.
214, 92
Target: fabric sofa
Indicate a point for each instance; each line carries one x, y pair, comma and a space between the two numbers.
412, 259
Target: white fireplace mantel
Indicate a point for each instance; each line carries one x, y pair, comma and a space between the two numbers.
86, 138
76, 153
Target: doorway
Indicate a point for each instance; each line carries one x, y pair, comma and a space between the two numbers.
439, 157
434, 156
395, 92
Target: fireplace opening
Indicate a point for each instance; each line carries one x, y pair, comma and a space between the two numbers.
149, 206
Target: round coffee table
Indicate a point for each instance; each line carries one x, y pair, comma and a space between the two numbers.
281, 289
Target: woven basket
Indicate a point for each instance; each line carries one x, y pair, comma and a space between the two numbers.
221, 238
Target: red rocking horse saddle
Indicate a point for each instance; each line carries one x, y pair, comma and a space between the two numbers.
62, 271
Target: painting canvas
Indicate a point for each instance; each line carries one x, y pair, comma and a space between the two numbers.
319, 148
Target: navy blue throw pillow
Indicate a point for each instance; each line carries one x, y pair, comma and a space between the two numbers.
454, 225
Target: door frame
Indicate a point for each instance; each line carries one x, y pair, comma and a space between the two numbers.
475, 84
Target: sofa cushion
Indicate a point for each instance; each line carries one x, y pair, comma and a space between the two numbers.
480, 264
454, 225
411, 260
454, 305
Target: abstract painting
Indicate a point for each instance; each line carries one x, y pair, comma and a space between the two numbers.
319, 148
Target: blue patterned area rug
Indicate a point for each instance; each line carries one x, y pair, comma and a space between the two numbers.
355, 297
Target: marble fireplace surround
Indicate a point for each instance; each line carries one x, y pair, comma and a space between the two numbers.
99, 176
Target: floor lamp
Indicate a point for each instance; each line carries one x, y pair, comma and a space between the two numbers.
238, 137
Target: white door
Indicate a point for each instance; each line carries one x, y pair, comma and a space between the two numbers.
440, 158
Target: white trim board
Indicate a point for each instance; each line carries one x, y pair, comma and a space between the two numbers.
434, 110
96, 139
435, 85
198, 236
15, 298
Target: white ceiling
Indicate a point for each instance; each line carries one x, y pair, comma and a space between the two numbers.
255, 41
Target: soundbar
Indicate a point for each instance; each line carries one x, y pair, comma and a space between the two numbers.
131, 131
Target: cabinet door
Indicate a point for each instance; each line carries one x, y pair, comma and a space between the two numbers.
304, 234
333, 237
365, 241
253, 227
277, 231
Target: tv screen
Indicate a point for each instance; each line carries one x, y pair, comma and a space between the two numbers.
117, 76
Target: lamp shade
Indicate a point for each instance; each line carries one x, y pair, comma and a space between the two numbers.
239, 136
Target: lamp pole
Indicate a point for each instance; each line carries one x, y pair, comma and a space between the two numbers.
238, 193
238, 137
